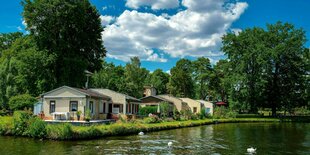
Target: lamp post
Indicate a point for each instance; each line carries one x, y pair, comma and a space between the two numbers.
88, 74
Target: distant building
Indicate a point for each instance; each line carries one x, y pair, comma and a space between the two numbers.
149, 91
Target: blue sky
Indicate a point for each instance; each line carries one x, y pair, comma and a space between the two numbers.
161, 32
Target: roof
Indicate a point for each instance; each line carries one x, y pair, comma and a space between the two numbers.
127, 97
93, 93
158, 97
82, 91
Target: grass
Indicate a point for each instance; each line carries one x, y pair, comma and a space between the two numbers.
70, 132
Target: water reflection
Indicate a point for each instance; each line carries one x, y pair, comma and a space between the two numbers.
220, 139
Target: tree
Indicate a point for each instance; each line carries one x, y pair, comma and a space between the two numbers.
285, 68
20, 102
25, 69
72, 31
158, 79
181, 83
111, 77
135, 77
6, 40
220, 81
202, 73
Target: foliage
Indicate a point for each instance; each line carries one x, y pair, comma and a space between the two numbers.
223, 112
181, 83
20, 122
145, 111
202, 75
36, 128
152, 119
135, 77
87, 114
20, 102
165, 108
266, 67
7, 39
176, 114
59, 131
57, 28
159, 80
202, 114
185, 115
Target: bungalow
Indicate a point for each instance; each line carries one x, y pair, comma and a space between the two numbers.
119, 103
67, 101
208, 106
194, 105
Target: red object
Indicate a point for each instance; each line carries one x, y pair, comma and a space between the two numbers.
221, 103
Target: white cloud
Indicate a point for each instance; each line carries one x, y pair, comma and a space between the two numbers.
196, 31
154, 4
106, 20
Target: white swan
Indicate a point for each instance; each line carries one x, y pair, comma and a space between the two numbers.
141, 133
251, 150
169, 144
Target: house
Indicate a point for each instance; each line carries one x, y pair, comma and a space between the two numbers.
155, 101
149, 91
119, 103
193, 105
208, 106
64, 102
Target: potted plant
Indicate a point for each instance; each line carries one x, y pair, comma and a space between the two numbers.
78, 114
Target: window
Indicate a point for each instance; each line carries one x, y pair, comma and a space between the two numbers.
73, 106
208, 110
101, 107
194, 109
91, 106
52, 106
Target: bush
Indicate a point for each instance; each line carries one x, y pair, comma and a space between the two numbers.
164, 109
60, 131
145, 111
223, 112
186, 115
20, 102
152, 119
20, 122
36, 128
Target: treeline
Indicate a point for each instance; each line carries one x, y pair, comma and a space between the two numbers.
265, 68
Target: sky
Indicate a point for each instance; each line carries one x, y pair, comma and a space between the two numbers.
160, 32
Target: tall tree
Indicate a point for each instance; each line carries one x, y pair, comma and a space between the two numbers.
135, 77
6, 40
181, 83
202, 74
158, 79
71, 30
25, 69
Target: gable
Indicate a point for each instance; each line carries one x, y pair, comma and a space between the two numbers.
64, 92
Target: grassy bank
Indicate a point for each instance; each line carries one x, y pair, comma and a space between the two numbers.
39, 129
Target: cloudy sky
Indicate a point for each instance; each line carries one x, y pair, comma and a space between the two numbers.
161, 32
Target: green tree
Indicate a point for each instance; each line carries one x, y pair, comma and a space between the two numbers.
135, 77
20, 102
111, 77
25, 69
202, 74
6, 40
72, 31
220, 81
181, 83
159, 80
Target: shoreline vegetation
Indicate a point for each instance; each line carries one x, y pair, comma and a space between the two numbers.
24, 125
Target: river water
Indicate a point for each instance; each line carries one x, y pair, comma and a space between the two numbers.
219, 139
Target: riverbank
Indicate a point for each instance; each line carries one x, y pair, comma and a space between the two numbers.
39, 129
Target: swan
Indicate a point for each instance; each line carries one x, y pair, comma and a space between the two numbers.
141, 133
251, 150
169, 144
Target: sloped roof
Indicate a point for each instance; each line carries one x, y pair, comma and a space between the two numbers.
82, 91
127, 97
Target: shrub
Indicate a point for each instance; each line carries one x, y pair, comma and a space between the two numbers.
20, 102
186, 115
59, 131
152, 119
20, 122
164, 109
87, 115
36, 128
202, 114
176, 114
147, 110
223, 112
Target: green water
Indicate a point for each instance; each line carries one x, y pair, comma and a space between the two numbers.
234, 139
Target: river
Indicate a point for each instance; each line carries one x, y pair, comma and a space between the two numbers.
218, 139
